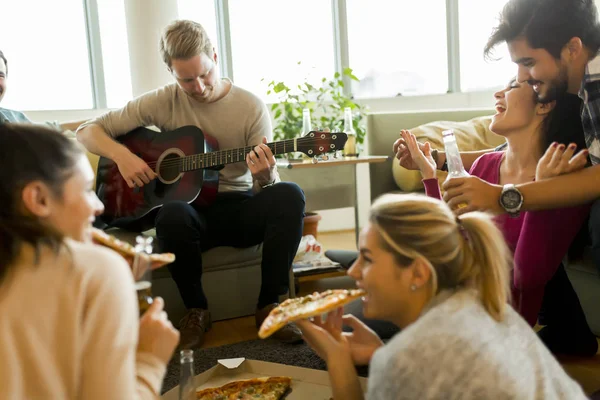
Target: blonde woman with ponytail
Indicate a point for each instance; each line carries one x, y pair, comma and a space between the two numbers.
445, 282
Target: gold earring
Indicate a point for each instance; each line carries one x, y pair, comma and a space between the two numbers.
413, 287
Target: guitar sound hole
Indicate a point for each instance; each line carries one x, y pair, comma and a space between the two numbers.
170, 167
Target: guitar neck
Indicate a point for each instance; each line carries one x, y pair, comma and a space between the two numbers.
230, 156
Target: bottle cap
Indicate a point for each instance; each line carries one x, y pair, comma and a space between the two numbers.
186, 355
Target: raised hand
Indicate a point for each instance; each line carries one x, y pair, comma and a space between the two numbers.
558, 160
261, 163
420, 155
402, 153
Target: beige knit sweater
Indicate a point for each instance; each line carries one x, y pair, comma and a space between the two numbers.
69, 329
237, 120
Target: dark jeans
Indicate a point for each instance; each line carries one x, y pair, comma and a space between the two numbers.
594, 227
273, 216
566, 330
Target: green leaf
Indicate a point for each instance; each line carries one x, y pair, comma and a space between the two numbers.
336, 75
274, 106
280, 87
354, 78
277, 114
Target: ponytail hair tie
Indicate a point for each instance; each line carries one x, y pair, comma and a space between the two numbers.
461, 229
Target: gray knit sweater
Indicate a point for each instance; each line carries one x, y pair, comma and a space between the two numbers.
457, 351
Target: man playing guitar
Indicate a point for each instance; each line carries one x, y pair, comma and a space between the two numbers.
252, 205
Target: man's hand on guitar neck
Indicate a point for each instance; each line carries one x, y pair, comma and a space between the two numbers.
261, 163
134, 170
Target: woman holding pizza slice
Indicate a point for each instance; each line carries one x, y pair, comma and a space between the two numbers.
445, 282
69, 308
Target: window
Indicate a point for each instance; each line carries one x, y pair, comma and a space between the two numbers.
270, 37
476, 20
115, 51
397, 47
48, 62
203, 12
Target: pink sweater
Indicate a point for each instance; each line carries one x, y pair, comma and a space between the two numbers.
538, 239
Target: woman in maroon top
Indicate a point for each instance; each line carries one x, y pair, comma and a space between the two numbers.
538, 239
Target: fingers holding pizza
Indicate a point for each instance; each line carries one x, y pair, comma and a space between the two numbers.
327, 339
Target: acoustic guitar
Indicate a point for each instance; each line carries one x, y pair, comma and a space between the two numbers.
187, 163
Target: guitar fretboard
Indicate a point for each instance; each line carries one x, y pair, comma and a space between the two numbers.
222, 157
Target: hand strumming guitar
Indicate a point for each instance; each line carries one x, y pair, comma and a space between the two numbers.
262, 163
134, 170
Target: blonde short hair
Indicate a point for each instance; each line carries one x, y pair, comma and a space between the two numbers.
466, 251
183, 39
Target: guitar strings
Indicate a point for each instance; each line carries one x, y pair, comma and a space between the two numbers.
219, 154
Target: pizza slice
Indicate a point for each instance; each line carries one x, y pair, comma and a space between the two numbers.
128, 251
274, 388
305, 307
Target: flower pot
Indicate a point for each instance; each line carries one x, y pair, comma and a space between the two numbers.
311, 223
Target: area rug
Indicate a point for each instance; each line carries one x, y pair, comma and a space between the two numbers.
298, 355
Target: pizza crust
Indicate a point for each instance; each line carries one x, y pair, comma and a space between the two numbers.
305, 307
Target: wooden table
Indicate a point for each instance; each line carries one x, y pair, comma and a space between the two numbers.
329, 184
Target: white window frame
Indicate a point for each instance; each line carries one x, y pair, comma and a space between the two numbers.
340, 37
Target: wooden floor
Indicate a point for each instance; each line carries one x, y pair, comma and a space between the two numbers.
585, 371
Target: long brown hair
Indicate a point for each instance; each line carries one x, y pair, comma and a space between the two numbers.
468, 251
30, 153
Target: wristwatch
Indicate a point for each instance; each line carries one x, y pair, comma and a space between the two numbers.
435, 156
511, 200
268, 184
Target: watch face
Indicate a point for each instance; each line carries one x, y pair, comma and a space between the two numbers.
511, 199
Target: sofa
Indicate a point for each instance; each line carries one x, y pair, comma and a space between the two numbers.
231, 277
472, 134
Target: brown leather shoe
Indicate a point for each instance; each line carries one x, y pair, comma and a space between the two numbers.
192, 328
288, 334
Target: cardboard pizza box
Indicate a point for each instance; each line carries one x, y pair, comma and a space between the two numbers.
306, 383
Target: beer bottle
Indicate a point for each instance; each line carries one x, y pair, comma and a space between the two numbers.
187, 389
455, 165
143, 272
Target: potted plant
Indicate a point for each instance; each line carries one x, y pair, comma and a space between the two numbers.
325, 102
